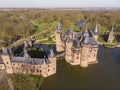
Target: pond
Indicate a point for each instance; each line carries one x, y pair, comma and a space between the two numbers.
102, 76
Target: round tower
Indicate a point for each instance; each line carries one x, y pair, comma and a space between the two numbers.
69, 54
85, 52
59, 43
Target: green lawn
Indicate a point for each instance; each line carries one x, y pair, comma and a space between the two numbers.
26, 82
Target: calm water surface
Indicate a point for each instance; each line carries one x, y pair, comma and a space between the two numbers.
102, 76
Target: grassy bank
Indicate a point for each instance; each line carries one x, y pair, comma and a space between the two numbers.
26, 82
109, 45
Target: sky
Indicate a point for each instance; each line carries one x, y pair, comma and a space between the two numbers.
59, 3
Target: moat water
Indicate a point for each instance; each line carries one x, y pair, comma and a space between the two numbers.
102, 76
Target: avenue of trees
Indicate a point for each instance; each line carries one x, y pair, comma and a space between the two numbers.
21, 23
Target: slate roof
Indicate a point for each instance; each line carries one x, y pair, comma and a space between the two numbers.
76, 44
83, 38
51, 54
69, 32
33, 61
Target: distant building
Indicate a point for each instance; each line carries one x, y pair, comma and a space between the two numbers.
27, 65
81, 48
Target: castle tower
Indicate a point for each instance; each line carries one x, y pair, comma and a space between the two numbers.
111, 36
76, 53
69, 44
85, 52
60, 45
95, 33
6, 59
70, 33
52, 66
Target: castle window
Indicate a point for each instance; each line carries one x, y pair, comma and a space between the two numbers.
48, 65
7, 62
33, 66
33, 70
40, 66
77, 57
94, 55
37, 70
26, 69
48, 70
77, 53
53, 68
40, 71
13, 64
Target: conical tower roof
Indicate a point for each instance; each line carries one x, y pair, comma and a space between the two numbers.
78, 44
86, 40
85, 32
112, 28
59, 27
52, 54
96, 29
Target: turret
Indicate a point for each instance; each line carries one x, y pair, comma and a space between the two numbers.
51, 54
52, 65
69, 44
85, 52
60, 45
70, 33
95, 33
85, 32
59, 27
111, 36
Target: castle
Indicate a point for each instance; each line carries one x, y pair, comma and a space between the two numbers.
80, 48
27, 65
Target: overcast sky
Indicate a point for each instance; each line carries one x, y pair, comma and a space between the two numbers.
59, 3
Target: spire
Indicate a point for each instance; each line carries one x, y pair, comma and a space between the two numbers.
112, 28
70, 31
96, 29
59, 27
86, 40
85, 32
52, 54
78, 44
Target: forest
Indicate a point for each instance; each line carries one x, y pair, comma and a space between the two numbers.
17, 24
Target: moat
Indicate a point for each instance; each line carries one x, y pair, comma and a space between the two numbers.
103, 76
